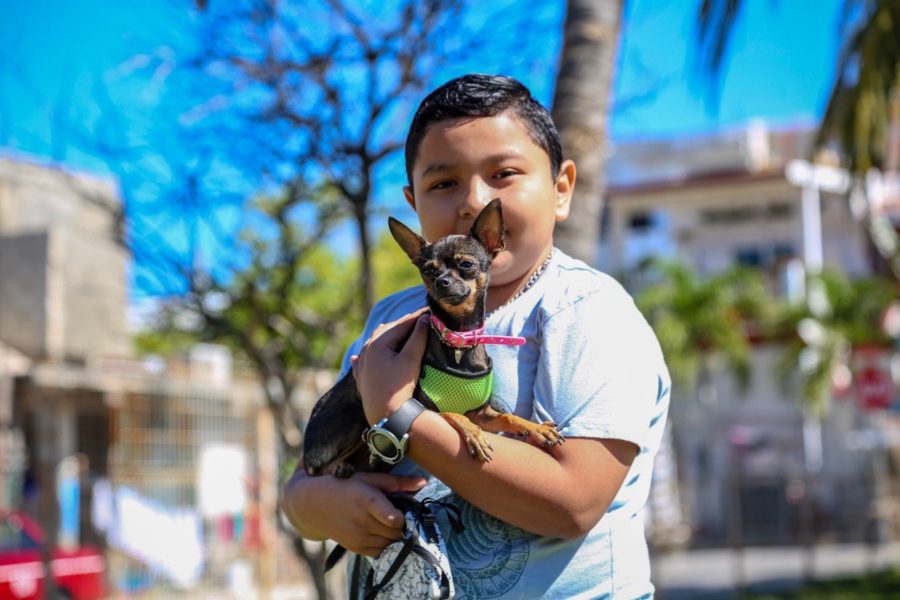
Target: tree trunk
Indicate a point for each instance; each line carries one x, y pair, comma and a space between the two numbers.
367, 287
580, 110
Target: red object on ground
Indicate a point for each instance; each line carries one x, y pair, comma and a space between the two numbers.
78, 573
874, 388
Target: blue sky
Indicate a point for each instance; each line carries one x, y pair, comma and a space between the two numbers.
61, 60
54, 53
779, 67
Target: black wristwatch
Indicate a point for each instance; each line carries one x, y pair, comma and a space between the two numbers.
388, 438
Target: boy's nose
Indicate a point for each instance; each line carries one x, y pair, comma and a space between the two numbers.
476, 199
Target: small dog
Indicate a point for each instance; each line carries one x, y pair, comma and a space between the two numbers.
456, 369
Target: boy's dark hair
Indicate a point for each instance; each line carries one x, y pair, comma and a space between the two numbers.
484, 96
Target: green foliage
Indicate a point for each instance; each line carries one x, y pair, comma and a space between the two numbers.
163, 340
700, 319
253, 310
697, 319
393, 269
858, 114
876, 586
820, 334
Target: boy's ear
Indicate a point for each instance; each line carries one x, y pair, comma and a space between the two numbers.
488, 228
410, 199
411, 242
565, 187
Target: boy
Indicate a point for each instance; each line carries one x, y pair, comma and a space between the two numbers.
562, 523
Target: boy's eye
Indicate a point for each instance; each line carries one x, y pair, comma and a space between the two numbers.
441, 185
504, 173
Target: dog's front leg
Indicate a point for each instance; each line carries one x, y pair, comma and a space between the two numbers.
539, 434
474, 437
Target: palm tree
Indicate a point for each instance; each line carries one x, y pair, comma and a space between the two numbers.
580, 109
821, 334
700, 321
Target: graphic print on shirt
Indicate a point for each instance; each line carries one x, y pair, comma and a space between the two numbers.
489, 557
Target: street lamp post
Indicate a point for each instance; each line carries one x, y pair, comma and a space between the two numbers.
813, 179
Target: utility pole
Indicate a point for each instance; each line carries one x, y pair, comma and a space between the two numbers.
813, 179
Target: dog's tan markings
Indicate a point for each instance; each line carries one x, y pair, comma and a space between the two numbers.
458, 258
433, 263
476, 443
466, 306
458, 311
482, 280
539, 434
473, 295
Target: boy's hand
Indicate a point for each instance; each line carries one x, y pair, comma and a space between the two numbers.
353, 512
388, 366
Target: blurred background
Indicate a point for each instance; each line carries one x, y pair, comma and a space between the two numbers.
192, 208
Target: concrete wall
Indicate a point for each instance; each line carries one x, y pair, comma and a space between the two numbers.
34, 197
63, 289
94, 297
23, 291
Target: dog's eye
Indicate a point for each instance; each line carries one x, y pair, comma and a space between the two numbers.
466, 264
429, 271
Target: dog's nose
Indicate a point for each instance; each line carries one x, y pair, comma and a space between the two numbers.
443, 282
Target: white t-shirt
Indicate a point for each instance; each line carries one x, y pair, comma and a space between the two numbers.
592, 365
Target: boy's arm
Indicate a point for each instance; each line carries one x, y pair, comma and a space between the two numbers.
561, 493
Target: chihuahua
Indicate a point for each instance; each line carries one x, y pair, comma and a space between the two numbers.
456, 371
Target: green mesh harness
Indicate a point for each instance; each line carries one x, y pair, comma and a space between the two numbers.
454, 393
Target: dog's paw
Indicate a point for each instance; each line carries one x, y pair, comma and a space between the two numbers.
546, 434
344, 470
479, 447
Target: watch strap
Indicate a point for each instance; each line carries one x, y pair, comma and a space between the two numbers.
402, 419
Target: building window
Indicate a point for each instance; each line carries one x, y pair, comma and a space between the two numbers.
764, 257
648, 234
642, 222
748, 213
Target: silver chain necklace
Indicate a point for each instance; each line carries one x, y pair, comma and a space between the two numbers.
531, 281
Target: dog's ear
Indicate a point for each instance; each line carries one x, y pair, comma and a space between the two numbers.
488, 228
411, 242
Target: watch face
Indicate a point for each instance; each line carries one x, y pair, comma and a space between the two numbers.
385, 447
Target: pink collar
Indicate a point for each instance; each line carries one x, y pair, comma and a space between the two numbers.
470, 339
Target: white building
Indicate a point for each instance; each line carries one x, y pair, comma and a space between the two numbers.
714, 202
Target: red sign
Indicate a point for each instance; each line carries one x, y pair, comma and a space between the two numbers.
874, 388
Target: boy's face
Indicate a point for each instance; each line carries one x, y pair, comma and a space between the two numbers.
462, 164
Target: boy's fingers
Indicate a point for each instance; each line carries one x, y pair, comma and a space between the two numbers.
379, 507
418, 339
396, 332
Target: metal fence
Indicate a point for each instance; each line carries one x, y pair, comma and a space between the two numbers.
163, 470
